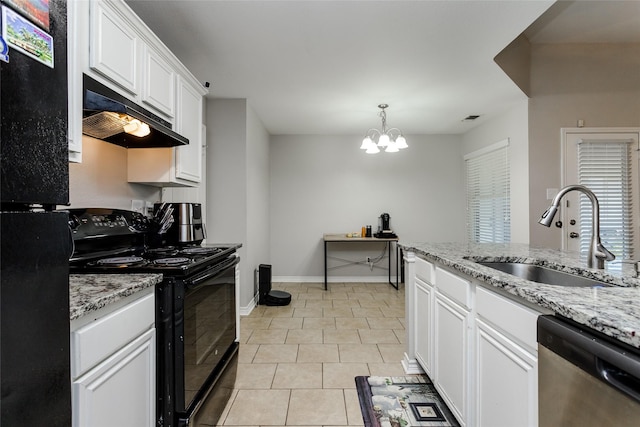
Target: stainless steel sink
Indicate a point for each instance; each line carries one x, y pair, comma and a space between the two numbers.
536, 273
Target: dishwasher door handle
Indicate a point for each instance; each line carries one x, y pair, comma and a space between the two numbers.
618, 379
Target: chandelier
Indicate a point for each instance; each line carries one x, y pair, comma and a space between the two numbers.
390, 139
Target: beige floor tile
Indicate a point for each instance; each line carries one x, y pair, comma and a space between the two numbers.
298, 375
378, 336
319, 323
276, 353
367, 312
247, 352
318, 303
401, 334
259, 407
337, 312
360, 296
304, 336
353, 353
341, 336
308, 312
255, 375
337, 296
257, 311
386, 369
311, 295
351, 323
286, 311
286, 323
267, 336
317, 407
372, 303
309, 353
245, 334
255, 322
341, 375
392, 311
391, 353
383, 323
352, 404
338, 303
297, 303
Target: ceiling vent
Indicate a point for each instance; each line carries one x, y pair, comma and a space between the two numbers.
470, 118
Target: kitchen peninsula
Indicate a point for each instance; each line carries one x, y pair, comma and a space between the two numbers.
614, 311
473, 329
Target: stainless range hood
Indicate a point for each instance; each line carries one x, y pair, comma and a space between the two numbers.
109, 116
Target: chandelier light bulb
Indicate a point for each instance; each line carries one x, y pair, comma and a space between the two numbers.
401, 142
383, 141
366, 143
373, 149
392, 147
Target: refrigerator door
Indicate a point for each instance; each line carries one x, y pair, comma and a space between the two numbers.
34, 319
34, 127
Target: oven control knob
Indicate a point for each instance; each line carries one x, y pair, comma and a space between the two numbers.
139, 223
74, 222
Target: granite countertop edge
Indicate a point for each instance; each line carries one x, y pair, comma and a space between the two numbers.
614, 311
90, 292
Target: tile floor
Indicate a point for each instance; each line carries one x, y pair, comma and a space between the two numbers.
297, 363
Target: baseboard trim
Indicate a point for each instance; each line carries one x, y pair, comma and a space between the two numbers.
331, 279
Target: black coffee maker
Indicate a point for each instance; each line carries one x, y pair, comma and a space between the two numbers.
384, 227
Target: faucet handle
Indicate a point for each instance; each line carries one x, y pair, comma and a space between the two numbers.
603, 253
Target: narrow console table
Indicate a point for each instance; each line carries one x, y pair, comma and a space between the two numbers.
342, 238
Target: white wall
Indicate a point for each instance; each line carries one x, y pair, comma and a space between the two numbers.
512, 125
101, 179
258, 195
326, 184
597, 83
238, 185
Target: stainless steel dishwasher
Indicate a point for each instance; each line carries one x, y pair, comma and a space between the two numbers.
585, 379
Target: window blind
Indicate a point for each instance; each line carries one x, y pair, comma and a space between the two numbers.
488, 200
605, 167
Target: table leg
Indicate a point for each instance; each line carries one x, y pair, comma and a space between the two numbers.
325, 265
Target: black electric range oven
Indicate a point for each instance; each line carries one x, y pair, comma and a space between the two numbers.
196, 323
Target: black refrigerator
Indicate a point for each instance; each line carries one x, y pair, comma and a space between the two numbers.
35, 242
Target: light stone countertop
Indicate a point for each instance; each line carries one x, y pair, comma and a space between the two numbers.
90, 292
614, 311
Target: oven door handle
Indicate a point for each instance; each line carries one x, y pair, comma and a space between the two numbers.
196, 281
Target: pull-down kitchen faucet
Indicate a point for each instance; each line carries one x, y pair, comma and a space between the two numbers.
598, 254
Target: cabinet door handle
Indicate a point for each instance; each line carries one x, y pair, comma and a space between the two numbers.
574, 235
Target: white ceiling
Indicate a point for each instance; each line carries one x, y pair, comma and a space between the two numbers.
322, 67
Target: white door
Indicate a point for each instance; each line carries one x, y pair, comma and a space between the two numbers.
591, 157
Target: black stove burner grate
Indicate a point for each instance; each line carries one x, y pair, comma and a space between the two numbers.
172, 262
123, 261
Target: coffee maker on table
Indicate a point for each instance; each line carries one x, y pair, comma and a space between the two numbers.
384, 227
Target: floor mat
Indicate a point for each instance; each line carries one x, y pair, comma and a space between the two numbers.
402, 402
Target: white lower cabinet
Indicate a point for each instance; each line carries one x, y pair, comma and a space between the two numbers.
452, 352
113, 366
506, 381
424, 325
477, 344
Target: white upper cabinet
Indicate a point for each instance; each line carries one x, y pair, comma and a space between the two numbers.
159, 82
189, 124
113, 47
108, 42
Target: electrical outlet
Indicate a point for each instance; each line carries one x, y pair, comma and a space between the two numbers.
148, 209
137, 206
